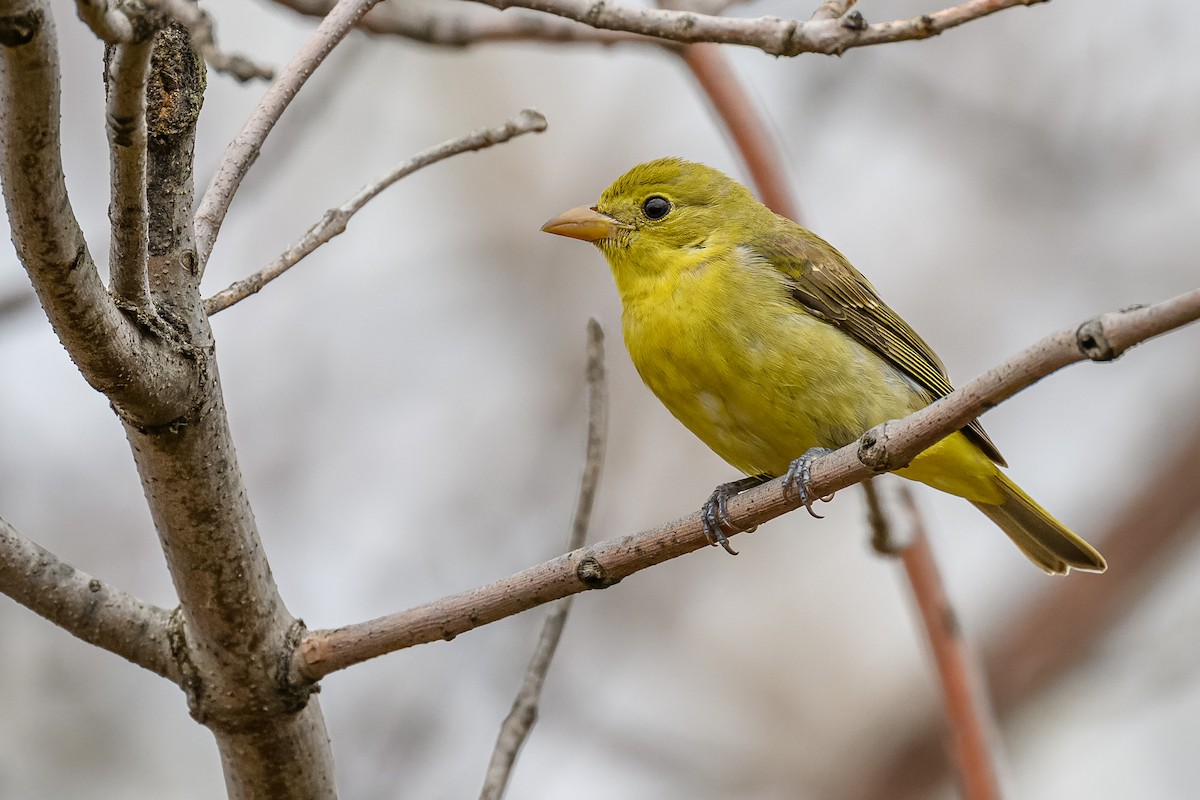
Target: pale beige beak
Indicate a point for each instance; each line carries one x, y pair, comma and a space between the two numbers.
585, 223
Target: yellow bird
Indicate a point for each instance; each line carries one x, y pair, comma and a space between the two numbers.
767, 344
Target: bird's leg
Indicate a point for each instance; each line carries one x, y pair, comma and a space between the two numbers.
797, 478
715, 512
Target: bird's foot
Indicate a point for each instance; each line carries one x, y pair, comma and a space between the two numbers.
798, 479
715, 512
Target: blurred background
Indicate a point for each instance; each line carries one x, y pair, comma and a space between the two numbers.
409, 409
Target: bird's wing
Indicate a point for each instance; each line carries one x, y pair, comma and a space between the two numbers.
824, 282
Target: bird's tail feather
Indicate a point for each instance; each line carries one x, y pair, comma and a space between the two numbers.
1043, 539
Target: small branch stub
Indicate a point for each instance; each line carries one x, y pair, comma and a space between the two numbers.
593, 575
1093, 342
873, 451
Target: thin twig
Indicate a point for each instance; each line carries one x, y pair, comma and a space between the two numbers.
244, 148
1060, 627
84, 606
200, 27
108, 22
520, 720
745, 124
128, 68
335, 220
883, 448
972, 728
778, 37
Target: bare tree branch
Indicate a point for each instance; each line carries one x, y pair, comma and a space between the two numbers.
972, 729
142, 368
778, 37
244, 148
85, 607
200, 27
127, 69
335, 220
520, 720
885, 447
423, 23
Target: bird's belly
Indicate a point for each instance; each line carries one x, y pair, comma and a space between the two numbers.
762, 396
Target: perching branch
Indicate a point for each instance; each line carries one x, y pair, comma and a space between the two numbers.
520, 720
244, 148
778, 37
885, 447
145, 372
127, 69
84, 606
335, 219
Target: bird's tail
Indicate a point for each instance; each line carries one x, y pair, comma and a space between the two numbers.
1043, 539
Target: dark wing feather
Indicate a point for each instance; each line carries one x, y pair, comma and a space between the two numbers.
823, 281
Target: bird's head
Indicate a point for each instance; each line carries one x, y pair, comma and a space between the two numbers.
663, 216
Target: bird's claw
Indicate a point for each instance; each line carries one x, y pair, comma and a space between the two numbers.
716, 516
715, 513
799, 480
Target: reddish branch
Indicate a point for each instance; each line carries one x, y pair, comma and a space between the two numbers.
1060, 627
967, 711
746, 126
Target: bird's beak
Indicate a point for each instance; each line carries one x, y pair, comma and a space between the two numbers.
585, 223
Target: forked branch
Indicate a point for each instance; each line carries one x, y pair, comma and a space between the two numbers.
244, 148
147, 377
335, 219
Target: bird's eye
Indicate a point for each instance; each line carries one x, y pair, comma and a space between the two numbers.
656, 207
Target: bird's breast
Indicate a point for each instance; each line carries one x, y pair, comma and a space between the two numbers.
748, 371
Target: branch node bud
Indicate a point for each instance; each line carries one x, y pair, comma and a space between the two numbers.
872, 448
592, 574
1093, 342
